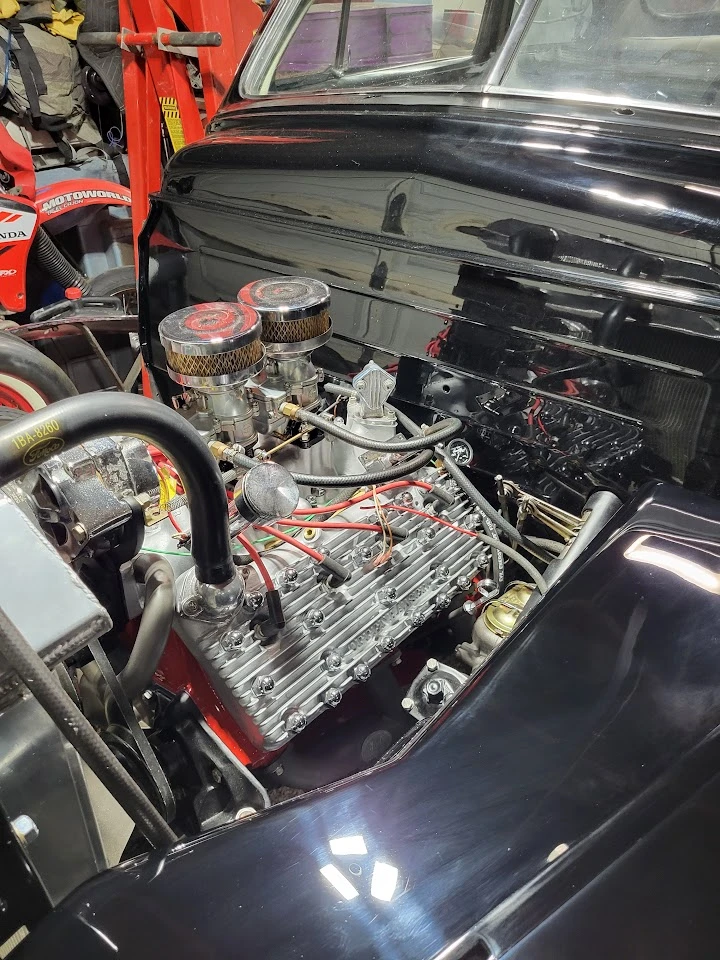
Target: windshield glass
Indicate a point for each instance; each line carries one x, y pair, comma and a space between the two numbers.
326, 44
664, 51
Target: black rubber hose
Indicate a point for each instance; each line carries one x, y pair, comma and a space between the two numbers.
22, 360
155, 624
77, 729
355, 480
445, 431
38, 436
56, 263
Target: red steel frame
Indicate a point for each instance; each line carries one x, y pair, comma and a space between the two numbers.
157, 86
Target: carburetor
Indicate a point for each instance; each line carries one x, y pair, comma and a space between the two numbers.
214, 349
295, 315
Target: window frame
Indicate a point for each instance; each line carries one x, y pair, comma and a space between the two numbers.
270, 47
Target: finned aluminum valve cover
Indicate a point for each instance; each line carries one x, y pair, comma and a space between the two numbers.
334, 637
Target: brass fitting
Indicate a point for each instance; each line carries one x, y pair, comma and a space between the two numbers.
219, 450
289, 410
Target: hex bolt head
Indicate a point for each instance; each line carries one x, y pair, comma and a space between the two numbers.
417, 620
295, 721
191, 607
443, 601
361, 672
387, 595
290, 576
432, 665
253, 601
263, 685
233, 639
386, 644
332, 697
25, 829
463, 582
407, 703
470, 607
79, 532
315, 617
442, 572
434, 691
332, 661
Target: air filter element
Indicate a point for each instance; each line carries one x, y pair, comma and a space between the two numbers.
212, 346
294, 312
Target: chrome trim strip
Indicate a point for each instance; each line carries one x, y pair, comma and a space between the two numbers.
509, 45
567, 96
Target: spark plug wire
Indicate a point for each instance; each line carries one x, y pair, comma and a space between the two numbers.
286, 538
258, 561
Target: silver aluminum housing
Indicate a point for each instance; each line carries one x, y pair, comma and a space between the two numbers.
361, 622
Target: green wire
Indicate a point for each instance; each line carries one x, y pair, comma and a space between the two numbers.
166, 553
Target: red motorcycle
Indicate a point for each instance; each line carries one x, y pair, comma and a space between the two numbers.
42, 229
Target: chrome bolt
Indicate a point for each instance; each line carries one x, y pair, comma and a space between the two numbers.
442, 572
417, 620
191, 607
473, 521
233, 639
361, 672
332, 697
290, 575
406, 498
332, 661
432, 665
367, 553
25, 829
463, 582
471, 608
387, 595
263, 685
315, 617
295, 721
253, 601
386, 644
407, 703
443, 601
426, 536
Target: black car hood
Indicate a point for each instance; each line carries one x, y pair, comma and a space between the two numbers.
495, 251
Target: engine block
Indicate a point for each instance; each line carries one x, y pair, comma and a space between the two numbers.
334, 636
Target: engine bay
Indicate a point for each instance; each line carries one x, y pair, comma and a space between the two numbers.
298, 573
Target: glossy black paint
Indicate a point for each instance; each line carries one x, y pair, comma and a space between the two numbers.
501, 239
526, 816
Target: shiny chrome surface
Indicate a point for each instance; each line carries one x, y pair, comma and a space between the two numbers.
585, 751
206, 329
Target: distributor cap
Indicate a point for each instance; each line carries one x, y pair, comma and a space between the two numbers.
212, 345
294, 311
